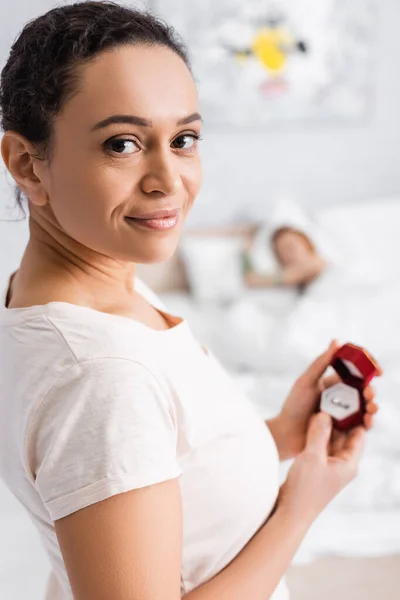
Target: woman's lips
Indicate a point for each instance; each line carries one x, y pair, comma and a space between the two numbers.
160, 224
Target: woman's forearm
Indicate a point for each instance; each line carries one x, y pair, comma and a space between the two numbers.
253, 279
294, 275
256, 571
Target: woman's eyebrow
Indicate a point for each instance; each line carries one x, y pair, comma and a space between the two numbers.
133, 120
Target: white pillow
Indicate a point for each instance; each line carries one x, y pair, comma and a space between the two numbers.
368, 235
286, 213
213, 266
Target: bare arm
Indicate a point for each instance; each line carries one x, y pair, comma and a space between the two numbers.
293, 275
253, 279
129, 547
256, 571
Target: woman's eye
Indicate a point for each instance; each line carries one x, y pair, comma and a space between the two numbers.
186, 142
122, 146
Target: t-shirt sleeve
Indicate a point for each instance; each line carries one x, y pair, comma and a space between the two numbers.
105, 427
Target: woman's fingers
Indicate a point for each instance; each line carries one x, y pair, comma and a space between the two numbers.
319, 433
371, 407
353, 445
337, 441
315, 371
338, 438
368, 421
328, 381
369, 393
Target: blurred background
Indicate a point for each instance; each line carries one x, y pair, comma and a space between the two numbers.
293, 240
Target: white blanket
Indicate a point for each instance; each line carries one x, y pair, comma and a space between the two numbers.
268, 337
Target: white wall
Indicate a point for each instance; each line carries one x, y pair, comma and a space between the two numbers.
319, 165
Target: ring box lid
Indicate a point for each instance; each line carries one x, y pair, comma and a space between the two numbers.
354, 366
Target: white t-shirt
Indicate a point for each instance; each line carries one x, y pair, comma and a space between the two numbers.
94, 404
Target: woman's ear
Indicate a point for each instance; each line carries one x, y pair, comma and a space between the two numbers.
21, 160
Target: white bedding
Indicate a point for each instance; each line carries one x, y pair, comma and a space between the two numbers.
267, 337
266, 347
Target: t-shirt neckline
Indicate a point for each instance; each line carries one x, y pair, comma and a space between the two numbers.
59, 308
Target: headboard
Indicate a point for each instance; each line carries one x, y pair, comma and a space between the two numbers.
171, 275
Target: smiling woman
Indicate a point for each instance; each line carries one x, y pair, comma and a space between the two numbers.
147, 472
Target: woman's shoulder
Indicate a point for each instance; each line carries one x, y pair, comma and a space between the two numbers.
43, 342
79, 331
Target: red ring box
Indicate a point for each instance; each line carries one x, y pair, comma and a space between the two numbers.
345, 401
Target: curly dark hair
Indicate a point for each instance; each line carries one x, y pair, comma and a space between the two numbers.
41, 73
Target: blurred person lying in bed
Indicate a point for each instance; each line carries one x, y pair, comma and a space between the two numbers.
298, 261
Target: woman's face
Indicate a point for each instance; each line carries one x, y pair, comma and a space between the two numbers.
125, 146
291, 248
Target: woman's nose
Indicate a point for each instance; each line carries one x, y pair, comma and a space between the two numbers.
162, 175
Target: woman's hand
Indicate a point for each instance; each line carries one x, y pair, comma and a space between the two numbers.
289, 428
321, 470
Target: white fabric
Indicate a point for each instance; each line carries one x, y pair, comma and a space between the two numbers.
368, 235
95, 404
266, 344
213, 267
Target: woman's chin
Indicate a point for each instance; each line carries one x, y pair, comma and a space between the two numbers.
157, 253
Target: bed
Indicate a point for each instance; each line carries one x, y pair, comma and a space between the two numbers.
265, 338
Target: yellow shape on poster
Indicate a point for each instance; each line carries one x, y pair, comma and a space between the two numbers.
270, 46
